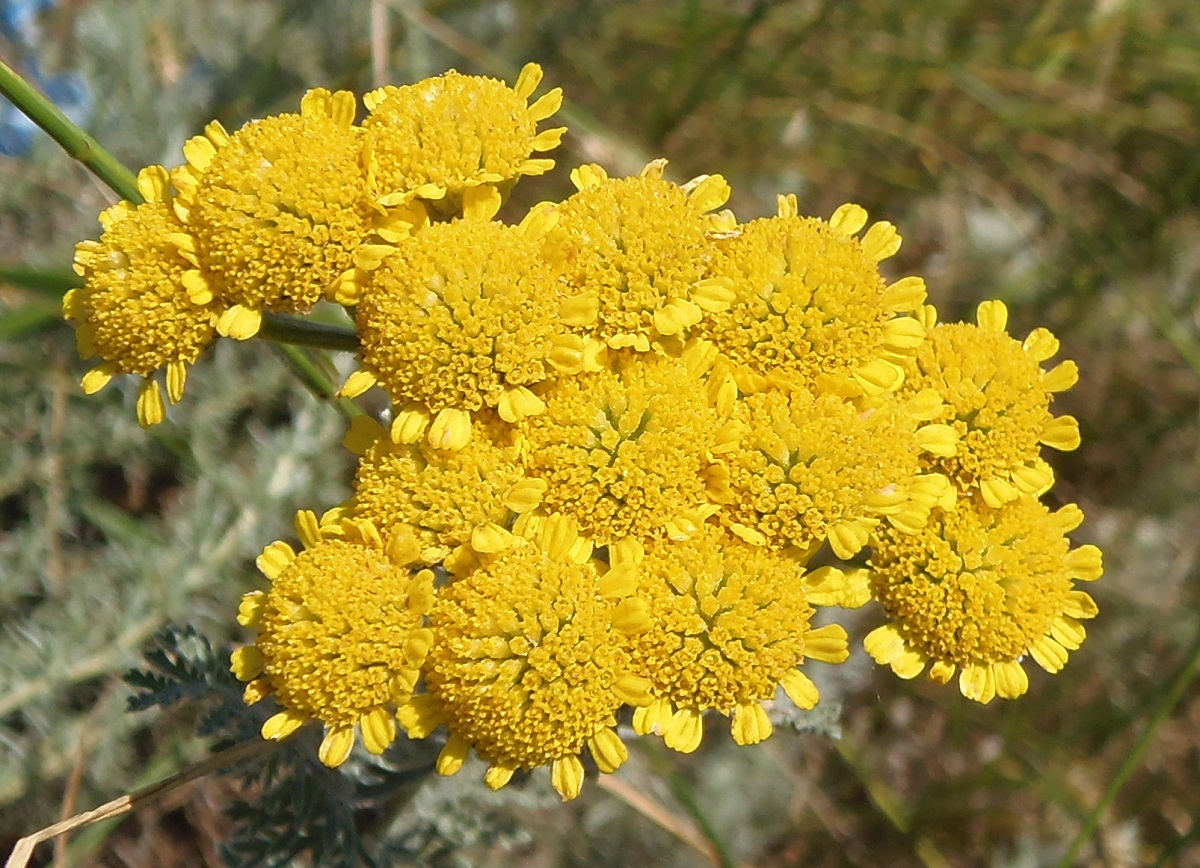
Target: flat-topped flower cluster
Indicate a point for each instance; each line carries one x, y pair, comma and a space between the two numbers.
621, 427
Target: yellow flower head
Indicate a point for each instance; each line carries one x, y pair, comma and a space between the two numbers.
530, 661
729, 625
980, 588
811, 468
996, 398
134, 311
341, 633
635, 255
810, 308
462, 316
442, 136
625, 451
278, 209
445, 498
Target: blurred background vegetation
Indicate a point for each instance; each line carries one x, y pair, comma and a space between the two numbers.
1046, 153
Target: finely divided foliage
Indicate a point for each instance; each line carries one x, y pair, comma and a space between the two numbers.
618, 430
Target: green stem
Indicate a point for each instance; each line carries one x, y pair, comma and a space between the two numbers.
50, 282
1166, 704
315, 379
71, 138
299, 332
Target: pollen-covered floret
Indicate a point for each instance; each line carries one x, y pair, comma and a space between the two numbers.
809, 306
440, 137
635, 255
729, 625
278, 209
980, 588
135, 311
530, 661
626, 451
996, 397
341, 633
810, 468
461, 316
444, 498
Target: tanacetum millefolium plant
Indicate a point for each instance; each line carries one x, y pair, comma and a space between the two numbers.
621, 426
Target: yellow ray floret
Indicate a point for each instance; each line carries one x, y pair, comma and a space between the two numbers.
278, 209
445, 498
810, 308
978, 590
530, 663
809, 469
135, 310
729, 625
462, 317
341, 633
628, 451
634, 253
996, 397
440, 137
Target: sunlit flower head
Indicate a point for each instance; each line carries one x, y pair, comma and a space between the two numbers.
134, 311
441, 136
980, 588
729, 625
530, 662
444, 498
996, 397
278, 209
635, 255
809, 306
626, 451
462, 316
811, 468
341, 633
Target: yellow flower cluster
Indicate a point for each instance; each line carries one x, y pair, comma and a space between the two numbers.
620, 427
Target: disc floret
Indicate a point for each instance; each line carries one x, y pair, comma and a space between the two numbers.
341, 633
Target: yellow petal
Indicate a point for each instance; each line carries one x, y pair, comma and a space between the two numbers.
1040, 345
453, 755
546, 105
519, 403
240, 323
282, 725
176, 381
1086, 563
1061, 377
274, 559
357, 383
881, 241
800, 689
978, 682
1061, 433
848, 219
378, 730
566, 774
150, 407
684, 731
905, 295
336, 746
250, 609
247, 663
450, 430
525, 495
608, 750
992, 315
829, 644
1011, 679
750, 723
1049, 654
498, 776
96, 379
